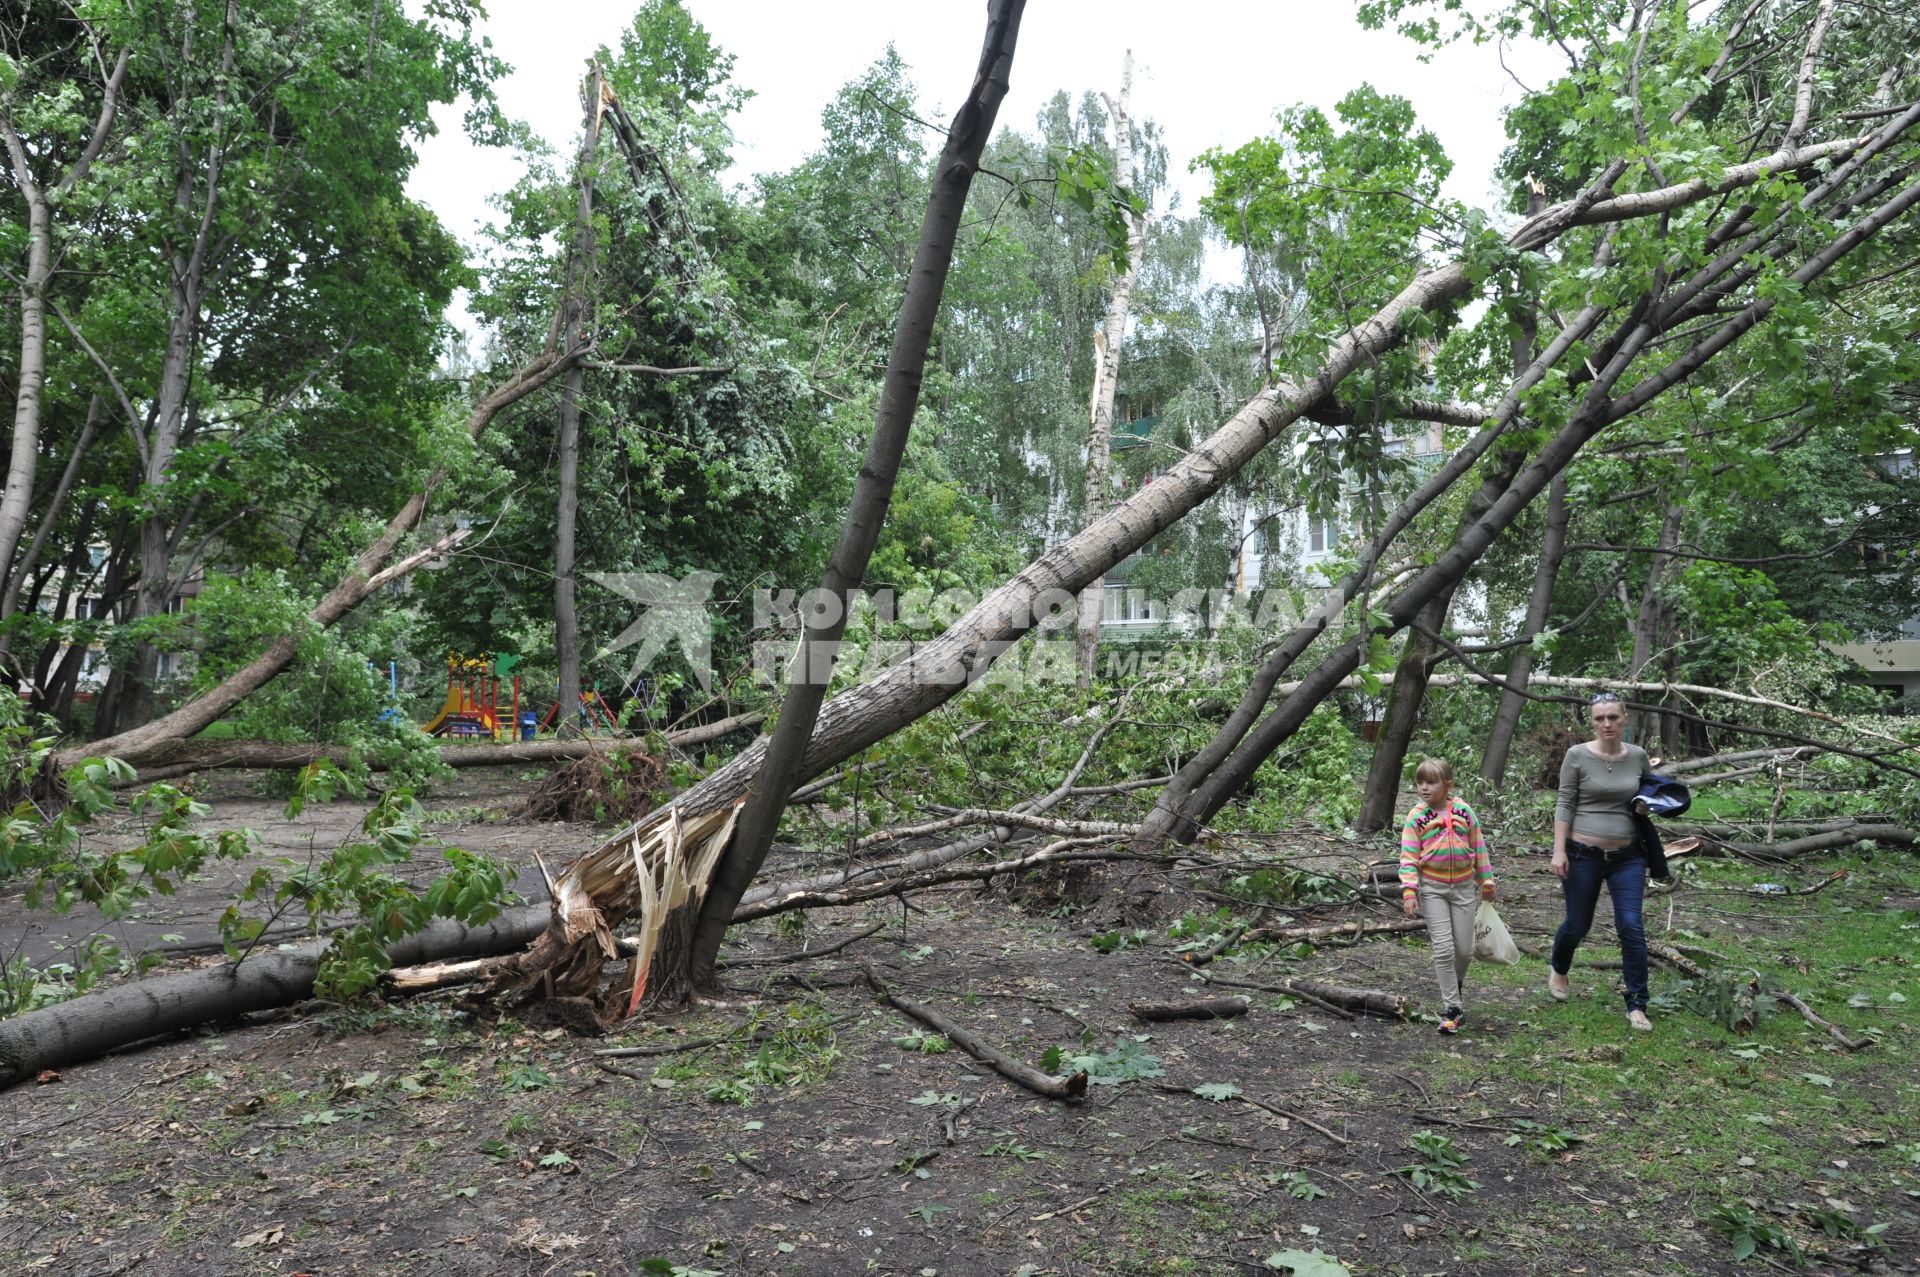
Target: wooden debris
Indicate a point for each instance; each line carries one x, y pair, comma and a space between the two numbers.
1071, 1087
1198, 1009
804, 954
1321, 933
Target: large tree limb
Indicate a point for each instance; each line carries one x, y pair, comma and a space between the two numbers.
89, 1026
361, 581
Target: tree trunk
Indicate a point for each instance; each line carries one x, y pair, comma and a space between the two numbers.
1416, 665
574, 310
786, 752
196, 194
84, 1028
31, 383
1107, 345
1382, 796
49, 515
1648, 621
1506, 719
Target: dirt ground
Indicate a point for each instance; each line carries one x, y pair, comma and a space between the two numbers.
823, 1134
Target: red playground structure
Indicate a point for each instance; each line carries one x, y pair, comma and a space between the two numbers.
473, 708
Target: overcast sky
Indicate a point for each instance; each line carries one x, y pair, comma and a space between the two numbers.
1210, 72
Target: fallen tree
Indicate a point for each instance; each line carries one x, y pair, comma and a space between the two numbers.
183, 758
98, 1023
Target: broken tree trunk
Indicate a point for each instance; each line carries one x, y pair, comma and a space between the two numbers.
91, 1026
1196, 1009
783, 766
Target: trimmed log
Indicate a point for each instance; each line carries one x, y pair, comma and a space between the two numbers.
1071, 1087
91, 1026
1337, 998
1198, 1009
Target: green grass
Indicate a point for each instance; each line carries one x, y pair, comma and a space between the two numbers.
1778, 1112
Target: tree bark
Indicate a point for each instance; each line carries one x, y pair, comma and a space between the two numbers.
1506, 719
574, 309
785, 758
30, 383
90, 1026
1107, 346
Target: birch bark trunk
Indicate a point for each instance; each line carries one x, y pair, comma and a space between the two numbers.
1107, 346
30, 384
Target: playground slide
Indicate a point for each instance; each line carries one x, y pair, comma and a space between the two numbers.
440, 719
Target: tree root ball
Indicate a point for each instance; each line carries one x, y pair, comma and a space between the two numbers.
602, 788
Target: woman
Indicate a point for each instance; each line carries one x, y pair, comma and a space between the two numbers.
1594, 842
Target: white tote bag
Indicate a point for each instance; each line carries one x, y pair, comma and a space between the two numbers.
1491, 942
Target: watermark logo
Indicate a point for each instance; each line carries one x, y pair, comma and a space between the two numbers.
676, 612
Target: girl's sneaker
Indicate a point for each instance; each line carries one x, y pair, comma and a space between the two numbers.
1451, 1022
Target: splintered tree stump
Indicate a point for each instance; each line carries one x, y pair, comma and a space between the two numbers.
1198, 1009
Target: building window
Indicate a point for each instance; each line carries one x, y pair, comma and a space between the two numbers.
1323, 534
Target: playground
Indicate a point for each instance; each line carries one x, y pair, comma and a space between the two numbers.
483, 703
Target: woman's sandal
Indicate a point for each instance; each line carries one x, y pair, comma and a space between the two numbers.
1560, 993
1637, 1019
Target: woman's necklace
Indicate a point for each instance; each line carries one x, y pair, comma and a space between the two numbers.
1608, 759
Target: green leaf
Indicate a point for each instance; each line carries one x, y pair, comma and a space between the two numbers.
1218, 1091
1307, 1263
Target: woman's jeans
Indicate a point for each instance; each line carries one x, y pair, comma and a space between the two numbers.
1625, 874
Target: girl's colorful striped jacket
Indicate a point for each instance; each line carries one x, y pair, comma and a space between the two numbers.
1444, 845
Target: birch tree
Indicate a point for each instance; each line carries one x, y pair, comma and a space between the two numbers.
1108, 344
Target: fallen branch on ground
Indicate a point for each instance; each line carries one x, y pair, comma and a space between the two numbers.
1833, 1030
1063, 851
804, 954
1319, 933
1071, 1087
1338, 999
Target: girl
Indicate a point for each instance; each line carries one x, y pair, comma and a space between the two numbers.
1442, 858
